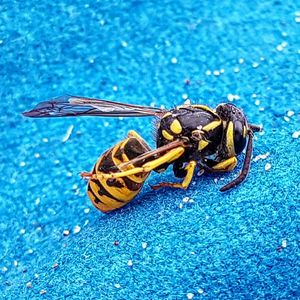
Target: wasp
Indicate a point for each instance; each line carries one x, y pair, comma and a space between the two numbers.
188, 137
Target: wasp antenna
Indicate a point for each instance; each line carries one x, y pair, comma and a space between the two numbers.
246, 166
255, 128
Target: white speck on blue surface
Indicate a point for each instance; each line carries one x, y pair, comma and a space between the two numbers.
66, 232
174, 60
130, 263
185, 96
261, 156
185, 199
284, 243
124, 44
22, 164
268, 166
279, 47
232, 97
68, 133
296, 134
91, 60
76, 229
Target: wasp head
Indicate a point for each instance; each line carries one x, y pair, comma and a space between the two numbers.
235, 128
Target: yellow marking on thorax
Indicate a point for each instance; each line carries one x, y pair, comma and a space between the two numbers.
167, 115
176, 127
204, 107
202, 144
230, 140
212, 125
167, 135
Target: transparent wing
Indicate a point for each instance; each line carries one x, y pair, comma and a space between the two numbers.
72, 106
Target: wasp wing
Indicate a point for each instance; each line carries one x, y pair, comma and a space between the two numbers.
70, 106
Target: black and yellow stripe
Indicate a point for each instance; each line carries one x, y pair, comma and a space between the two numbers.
109, 194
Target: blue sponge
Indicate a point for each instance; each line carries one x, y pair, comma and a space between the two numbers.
166, 244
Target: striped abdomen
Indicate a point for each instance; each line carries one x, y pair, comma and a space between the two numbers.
110, 194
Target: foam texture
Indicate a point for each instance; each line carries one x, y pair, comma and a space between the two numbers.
243, 244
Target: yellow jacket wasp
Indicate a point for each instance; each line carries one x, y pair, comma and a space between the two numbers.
188, 136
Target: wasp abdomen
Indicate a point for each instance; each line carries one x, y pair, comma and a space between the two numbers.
113, 193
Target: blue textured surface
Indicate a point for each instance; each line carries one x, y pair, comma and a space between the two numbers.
243, 244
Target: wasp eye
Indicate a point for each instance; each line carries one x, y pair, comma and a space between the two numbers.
240, 136
238, 129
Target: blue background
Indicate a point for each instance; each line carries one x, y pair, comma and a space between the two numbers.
243, 244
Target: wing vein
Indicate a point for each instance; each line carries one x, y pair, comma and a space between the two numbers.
71, 106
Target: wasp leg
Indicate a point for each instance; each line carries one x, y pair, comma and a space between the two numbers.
223, 166
190, 169
86, 175
147, 167
246, 166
